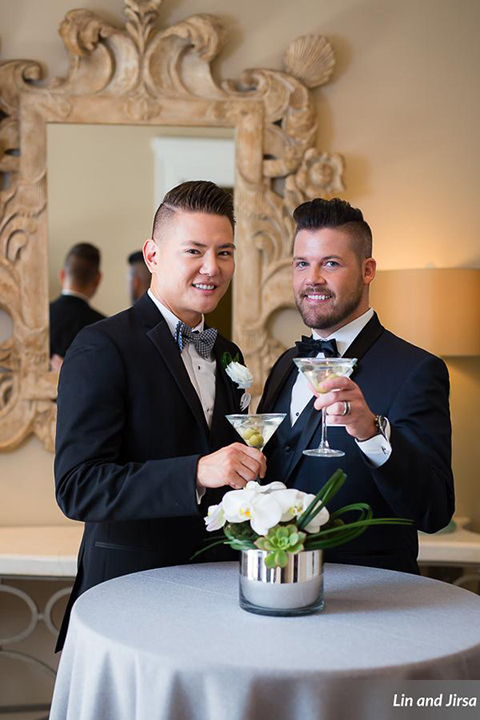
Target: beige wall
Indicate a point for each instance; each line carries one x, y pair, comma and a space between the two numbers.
100, 190
402, 108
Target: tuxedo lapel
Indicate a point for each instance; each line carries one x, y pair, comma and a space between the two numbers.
159, 334
285, 367
162, 338
227, 396
363, 342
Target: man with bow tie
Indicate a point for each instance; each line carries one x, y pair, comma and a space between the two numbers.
142, 439
390, 417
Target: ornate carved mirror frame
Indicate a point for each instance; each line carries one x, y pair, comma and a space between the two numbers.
139, 74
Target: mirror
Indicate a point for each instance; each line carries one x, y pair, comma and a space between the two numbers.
104, 184
152, 79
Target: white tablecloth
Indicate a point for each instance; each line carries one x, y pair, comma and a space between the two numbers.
173, 644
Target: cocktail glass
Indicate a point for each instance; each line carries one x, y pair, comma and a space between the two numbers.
256, 430
317, 370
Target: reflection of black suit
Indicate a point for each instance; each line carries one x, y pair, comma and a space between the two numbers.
130, 432
68, 315
410, 387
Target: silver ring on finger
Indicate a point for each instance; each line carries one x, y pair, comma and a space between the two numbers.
346, 408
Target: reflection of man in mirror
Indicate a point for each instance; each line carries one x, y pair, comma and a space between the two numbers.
69, 313
139, 276
143, 445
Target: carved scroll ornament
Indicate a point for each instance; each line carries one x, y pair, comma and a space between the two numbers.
144, 75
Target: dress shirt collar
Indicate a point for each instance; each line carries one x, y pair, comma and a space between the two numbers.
74, 293
171, 319
345, 335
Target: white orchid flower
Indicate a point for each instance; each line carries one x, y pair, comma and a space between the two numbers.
215, 518
266, 513
294, 503
239, 374
264, 506
271, 487
237, 505
320, 519
260, 509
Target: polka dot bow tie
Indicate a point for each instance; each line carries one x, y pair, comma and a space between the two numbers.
203, 341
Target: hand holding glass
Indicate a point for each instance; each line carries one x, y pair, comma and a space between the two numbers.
317, 370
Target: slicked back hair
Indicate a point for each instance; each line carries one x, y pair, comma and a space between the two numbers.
339, 214
193, 196
82, 264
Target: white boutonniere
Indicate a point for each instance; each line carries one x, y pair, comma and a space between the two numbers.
240, 375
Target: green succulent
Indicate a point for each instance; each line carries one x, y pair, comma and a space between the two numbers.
240, 535
281, 540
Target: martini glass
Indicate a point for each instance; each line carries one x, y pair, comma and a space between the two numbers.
317, 370
256, 430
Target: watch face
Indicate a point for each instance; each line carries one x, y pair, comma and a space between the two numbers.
381, 423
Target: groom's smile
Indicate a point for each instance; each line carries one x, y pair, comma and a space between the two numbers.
192, 263
330, 283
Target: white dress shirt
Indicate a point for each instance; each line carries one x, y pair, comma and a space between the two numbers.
378, 448
201, 371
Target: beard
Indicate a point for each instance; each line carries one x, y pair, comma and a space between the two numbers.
334, 313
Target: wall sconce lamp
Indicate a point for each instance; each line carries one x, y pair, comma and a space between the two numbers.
436, 309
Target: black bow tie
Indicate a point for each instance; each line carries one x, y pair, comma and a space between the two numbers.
203, 341
308, 347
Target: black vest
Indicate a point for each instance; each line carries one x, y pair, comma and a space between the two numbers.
282, 445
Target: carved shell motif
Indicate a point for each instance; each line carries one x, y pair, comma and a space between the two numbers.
310, 59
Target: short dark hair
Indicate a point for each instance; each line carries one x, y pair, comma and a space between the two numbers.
82, 264
135, 257
139, 275
336, 213
194, 196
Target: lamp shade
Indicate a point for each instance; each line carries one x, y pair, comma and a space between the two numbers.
437, 309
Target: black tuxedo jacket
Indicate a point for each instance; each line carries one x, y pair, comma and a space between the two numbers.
68, 315
130, 432
410, 387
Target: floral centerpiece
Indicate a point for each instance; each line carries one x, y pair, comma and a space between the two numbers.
285, 521
272, 525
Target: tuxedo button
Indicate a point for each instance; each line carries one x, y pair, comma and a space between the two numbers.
288, 448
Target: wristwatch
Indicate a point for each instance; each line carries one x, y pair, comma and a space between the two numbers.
381, 425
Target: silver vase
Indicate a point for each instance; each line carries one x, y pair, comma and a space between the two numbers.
296, 589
